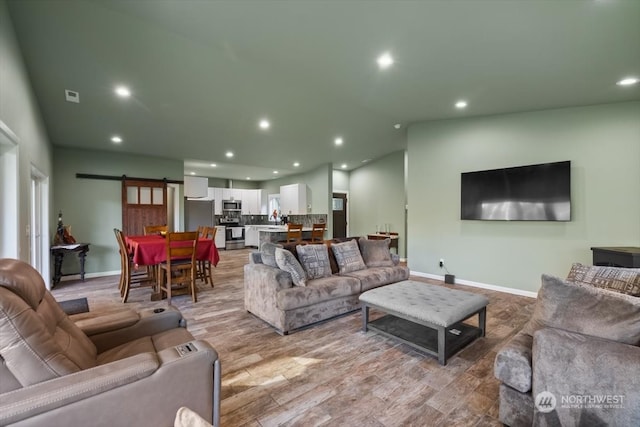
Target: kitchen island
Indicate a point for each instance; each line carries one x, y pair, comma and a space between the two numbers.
255, 235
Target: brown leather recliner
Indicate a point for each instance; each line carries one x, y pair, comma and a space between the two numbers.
124, 369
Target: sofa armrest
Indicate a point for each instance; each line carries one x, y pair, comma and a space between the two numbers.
513, 362
115, 332
158, 384
46, 396
577, 369
261, 286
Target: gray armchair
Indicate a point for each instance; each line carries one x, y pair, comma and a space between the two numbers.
125, 369
576, 362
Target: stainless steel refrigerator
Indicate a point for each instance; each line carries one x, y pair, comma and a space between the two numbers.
197, 213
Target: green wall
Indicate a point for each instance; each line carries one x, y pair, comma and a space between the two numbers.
603, 144
92, 207
340, 181
377, 197
19, 113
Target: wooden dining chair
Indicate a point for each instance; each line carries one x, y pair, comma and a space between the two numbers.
204, 266
129, 276
179, 269
317, 232
294, 232
155, 229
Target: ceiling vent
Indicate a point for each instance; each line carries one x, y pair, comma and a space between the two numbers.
72, 96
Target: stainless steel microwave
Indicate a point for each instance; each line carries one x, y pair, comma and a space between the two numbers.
231, 205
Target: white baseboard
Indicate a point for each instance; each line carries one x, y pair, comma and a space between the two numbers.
90, 275
479, 285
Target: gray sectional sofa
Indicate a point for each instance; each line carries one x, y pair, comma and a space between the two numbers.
576, 362
288, 302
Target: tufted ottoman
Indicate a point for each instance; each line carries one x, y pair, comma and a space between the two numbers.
426, 317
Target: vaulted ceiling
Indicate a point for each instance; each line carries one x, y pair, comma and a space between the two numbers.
202, 74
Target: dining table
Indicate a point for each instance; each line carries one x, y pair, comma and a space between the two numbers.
151, 250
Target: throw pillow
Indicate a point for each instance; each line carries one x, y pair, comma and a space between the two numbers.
314, 260
268, 253
623, 280
586, 310
287, 262
348, 256
375, 253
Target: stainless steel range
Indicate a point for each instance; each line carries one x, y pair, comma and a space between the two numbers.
234, 233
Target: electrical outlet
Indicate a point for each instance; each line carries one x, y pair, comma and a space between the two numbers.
441, 263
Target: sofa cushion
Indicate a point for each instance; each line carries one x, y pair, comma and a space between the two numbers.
314, 260
622, 280
348, 256
586, 310
268, 253
378, 276
287, 262
317, 291
375, 253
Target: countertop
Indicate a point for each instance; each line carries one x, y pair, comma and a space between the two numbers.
274, 228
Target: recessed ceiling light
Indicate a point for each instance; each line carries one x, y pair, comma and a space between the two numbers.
264, 124
366, 160
628, 81
385, 60
123, 92
192, 173
276, 172
229, 154
397, 125
248, 178
116, 139
461, 104
296, 164
344, 166
213, 165
338, 140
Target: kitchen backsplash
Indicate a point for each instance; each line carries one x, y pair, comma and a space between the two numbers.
305, 220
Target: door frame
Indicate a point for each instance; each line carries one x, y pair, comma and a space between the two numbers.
39, 225
9, 200
346, 193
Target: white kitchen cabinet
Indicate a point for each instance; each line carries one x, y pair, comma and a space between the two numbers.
251, 202
217, 200
221, 237
293, 199
251, 235
231, 194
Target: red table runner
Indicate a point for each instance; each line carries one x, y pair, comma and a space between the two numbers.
152, 249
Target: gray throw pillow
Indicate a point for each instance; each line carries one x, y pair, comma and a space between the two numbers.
268, 253
623, 280
375, 253
348, 256
586, 310
314, 260
287, 262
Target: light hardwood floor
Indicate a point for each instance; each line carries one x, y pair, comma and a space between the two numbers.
330, 374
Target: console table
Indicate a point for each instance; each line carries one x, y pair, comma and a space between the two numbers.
628, 257
59, 251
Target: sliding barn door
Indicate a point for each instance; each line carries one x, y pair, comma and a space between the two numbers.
144, 202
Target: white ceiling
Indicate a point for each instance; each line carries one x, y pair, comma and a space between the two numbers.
203, 73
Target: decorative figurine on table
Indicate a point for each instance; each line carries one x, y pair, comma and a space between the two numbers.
63, 234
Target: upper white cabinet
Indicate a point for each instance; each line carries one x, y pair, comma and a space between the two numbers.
251, 202
231, 194
195, 186
293, 199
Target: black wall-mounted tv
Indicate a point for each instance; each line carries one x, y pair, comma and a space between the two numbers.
524, 193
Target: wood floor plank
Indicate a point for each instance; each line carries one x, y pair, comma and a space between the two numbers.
330, 374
